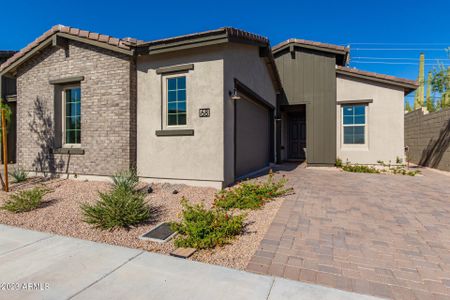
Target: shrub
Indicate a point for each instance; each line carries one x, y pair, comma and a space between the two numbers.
19, 175
380, 162
359, 169
26, 200
251, 195
201, 228
398, 160
338, 162
120, 207
126, 179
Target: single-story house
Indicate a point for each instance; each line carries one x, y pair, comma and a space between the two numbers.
204, 109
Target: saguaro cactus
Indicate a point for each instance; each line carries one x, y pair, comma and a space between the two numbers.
430, 104
419, 101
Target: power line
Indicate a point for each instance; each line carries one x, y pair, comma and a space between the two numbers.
405, 44
396, 58
390, 63
399, 49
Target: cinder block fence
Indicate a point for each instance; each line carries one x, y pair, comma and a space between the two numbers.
427, 136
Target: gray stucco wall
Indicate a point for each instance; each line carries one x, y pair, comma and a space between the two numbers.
243, 63
428, 138
107, 101
384, 121
310, 78
196, 159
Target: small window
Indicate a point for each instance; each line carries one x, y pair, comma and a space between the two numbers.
72, 116
354, 123
176, 101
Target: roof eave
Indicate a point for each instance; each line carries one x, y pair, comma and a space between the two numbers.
287, 44
214, 37
407, 87
52, 40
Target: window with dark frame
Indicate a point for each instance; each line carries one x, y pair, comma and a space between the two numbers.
354, 124
176, 101
72, 116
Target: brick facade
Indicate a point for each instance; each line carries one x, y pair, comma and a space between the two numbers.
428, 138
108, 110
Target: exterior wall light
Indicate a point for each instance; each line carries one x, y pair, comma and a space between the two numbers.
234, 95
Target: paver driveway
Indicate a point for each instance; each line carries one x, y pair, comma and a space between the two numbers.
384, 235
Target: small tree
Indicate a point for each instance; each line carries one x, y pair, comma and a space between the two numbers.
408, 106
8, 114
441, 84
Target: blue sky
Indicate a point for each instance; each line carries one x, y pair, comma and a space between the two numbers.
339, 22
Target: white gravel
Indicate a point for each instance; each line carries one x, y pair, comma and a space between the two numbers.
61, 214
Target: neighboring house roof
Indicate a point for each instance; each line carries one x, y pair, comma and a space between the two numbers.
406, 84
49, 37
341, 52
7, 53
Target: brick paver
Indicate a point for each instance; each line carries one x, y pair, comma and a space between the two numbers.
384, 235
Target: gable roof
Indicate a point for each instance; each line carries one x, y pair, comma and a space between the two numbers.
216, 36
130, 46
49, 37
341, 52
406, 84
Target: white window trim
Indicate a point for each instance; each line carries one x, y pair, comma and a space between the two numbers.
63, 110
364, 146
165, 103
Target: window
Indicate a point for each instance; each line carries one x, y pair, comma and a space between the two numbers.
72, 116
354, 123
176, 101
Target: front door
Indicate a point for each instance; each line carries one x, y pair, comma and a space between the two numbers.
296, 135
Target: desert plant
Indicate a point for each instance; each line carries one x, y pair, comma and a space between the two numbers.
26, 200
338, 162
202, 228
250, 194
19, 174
398, 160
360, 169
126, 179
120, 207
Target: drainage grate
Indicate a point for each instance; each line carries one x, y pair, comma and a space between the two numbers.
161, 233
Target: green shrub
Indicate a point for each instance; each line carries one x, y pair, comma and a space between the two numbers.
126, 179
338, 162
380, 162
359, 169
120, 207
202, 228
251, 195
398, 160
19, 174
26, 200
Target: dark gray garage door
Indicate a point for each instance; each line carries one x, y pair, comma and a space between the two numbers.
253, 126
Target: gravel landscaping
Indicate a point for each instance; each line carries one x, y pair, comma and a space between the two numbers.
61, 214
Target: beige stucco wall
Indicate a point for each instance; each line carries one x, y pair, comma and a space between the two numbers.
197, 159
243, 63
384, 117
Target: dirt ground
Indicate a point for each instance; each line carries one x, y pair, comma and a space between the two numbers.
61, 214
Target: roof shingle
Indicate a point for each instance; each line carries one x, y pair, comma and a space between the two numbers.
122, 44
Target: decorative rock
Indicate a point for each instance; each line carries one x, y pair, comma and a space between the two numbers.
150, 189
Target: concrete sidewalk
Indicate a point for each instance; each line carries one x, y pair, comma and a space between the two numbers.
35, 265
